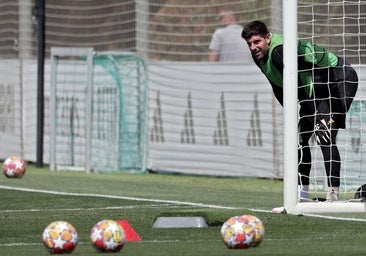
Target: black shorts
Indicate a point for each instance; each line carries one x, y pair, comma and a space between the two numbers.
331, 99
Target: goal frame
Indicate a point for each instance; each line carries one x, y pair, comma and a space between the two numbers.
56, 53
291, 204
98, 110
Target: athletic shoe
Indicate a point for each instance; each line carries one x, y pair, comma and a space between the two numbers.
332, 195
279, 210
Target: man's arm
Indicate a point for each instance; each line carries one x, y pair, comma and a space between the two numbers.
213, 56
277, 60
277, 57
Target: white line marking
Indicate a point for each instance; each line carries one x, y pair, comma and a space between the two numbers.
316, 216
19, 244
94, 209
173, 241
165, 202
333, 218
119, 197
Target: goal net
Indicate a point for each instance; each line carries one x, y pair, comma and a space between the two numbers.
98, 110
204, 118
337, 26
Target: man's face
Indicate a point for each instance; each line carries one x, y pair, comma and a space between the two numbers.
225, 18
259, 45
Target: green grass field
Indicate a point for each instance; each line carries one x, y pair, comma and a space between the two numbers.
29, 204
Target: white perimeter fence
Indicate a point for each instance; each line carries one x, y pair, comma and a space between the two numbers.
206, 119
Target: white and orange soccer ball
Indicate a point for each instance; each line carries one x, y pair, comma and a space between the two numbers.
14, 167
242, 232
60, 237
107, 236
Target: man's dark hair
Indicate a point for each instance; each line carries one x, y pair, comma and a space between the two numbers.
254, 28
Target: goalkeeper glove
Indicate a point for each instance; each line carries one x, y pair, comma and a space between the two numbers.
322, 132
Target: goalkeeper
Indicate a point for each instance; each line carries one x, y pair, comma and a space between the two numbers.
326, 87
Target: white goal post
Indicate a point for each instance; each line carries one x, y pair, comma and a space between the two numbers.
56, 53
291, 203
290, 104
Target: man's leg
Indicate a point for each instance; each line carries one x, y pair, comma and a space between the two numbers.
332, 164
304, 168
304, 158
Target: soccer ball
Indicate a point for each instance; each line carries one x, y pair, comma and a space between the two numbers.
107, 236
60, 237
14, 167
242, 232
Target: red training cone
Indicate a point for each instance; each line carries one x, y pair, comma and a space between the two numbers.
131, 234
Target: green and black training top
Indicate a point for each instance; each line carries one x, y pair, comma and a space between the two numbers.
314, 63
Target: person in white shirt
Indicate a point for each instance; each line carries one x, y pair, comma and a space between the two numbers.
226, 44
